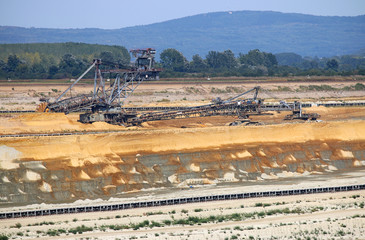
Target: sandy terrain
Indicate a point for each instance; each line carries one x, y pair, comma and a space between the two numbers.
25, 96
321, 216
162, 160
59, 122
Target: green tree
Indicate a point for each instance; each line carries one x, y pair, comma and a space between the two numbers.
70, 66
230, 60
173, 60
118, 58
4, 237
21, 71
214, 59
52, 71
308, 64
197, 64
332, 64
252, 58
270, 60
3, 67
122, 56
13, 63
220, 60
257, 58
38, 68
107, 57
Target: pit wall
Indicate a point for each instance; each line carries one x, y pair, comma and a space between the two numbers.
63, 169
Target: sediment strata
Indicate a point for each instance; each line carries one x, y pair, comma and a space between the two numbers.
65, 168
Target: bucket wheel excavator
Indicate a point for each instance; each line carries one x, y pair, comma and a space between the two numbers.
105, 103
106, 100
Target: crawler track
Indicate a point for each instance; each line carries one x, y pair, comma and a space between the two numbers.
176, 201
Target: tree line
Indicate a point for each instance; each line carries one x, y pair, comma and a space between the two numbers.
55, 60
69, 66
37, 63
257, 63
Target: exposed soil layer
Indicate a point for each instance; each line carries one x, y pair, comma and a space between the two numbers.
174, 154
67, 168
186, 158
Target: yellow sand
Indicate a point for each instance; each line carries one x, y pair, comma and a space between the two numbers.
50, 122
86, 147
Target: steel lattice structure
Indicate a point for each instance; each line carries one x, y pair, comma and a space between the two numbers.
105, 103
113, 96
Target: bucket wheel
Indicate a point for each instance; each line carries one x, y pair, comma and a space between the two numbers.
42, 107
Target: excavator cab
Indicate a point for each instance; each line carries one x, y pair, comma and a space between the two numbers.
145, 58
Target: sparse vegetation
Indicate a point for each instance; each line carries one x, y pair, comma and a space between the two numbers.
18, 225
184, 211
284, 89
154, 213
192, 90
198, 220
52, 232
164, 100
80, 229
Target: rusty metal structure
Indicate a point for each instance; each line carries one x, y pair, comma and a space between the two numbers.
298, 113
105, 103
231, 107
108, 96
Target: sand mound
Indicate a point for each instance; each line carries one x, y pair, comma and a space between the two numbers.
7, 157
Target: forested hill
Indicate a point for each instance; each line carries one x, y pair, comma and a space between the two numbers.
55, 51
238, 31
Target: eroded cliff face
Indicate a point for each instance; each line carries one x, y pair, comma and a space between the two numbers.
61, 169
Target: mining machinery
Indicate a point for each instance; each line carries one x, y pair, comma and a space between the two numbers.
105, 103
234, 106
230, 107
298, 113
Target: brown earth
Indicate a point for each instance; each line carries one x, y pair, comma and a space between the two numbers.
59, 122
162, 154
25, 96
66, 168
162, 157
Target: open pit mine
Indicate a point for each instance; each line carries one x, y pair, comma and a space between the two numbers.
110, 150
66, 168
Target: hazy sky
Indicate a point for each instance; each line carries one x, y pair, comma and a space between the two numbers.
112, 14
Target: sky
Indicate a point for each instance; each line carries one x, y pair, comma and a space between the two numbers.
114, 14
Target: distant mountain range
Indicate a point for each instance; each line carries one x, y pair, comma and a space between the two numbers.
239, 31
